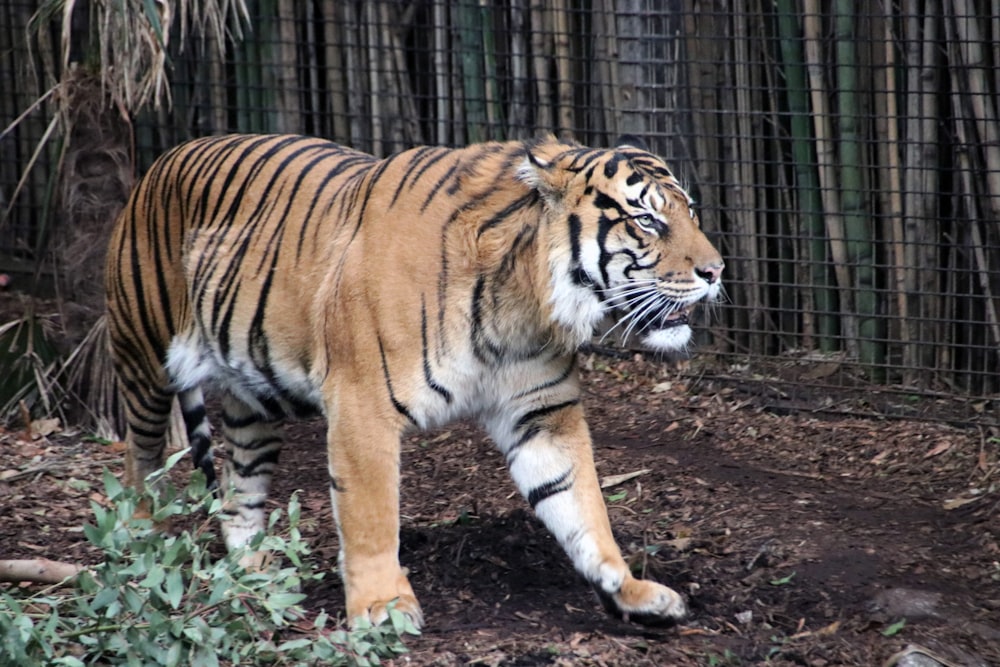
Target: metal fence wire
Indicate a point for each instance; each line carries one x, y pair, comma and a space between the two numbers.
844, 156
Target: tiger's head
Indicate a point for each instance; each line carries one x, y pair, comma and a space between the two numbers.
634, 249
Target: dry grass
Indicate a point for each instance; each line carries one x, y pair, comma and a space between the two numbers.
130, 41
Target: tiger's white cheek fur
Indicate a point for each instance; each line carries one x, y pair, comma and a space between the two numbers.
574, 306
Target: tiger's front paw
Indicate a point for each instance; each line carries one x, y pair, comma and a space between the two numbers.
645, 602
379, 611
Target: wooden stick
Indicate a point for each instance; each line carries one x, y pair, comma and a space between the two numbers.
38, 570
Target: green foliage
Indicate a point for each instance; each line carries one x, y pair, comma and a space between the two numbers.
28, 364
783, 581
895, 628
161, 599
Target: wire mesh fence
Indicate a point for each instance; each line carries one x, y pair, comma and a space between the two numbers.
844, 156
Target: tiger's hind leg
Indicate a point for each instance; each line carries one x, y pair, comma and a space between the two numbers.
550, 457
199, 433
252, 444
147, 417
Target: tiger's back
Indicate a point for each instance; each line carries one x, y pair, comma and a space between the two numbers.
296, 276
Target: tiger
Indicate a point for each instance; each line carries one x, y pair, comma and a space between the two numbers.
293, 276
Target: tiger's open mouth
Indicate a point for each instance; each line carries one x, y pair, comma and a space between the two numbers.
658, 321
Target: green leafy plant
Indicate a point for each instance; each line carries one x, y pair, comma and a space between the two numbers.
162, 599
895, 628
782, 581
28, 363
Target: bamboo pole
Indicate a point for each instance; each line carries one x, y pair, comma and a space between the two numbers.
810, 205
442, 89
13, 81
353, 68
388, 87
288, 109
742, 183
979, 96
793, 318
411, 133
374, 67
826, 161
891, 182
858, 236
565, 122
471, 59
216, 86
518, 119
632, 23
540, 41
995, 20
336, 81
312, 117
607, 62
706, 82
963, 52
491, 91
921, 227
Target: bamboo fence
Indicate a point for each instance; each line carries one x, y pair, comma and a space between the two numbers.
845, 156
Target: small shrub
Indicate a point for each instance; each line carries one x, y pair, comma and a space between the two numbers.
161, 599
29, 363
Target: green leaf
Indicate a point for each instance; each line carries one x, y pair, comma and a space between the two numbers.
113, 488
154, 578
285, 600
783, 581
103, 598
616, 497
895, 628
175, 587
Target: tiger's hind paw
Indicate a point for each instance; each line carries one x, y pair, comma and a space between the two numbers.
645, 602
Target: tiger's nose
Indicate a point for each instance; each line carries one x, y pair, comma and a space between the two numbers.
710, 273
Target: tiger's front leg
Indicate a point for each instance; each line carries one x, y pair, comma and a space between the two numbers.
549, 454
364, 452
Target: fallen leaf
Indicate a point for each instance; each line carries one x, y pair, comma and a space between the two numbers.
820, 371
615, 480
879, 458
43, 427
955, 503
939, 448
679, 543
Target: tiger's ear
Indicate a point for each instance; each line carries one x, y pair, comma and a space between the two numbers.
548, 178
633, 141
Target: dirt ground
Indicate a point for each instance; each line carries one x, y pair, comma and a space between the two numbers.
812, 528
